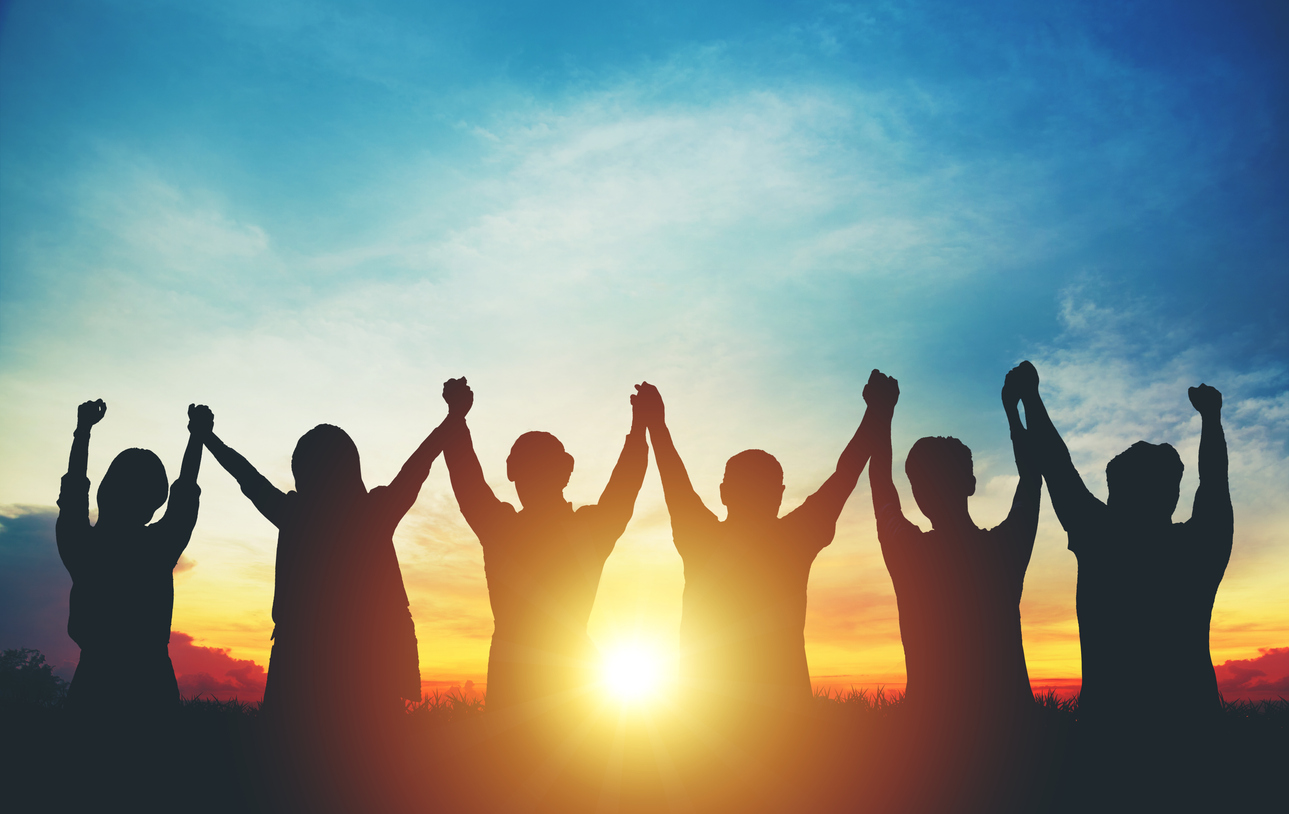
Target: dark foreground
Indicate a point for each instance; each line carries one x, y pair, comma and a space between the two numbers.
851, 753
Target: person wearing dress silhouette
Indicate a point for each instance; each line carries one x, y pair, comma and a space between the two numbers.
543, 563
344, 644
744, 609
957, 586
1146, 584
122, 567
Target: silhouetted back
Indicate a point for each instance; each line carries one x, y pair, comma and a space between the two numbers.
342, 627
958, 590
742, 628
543, 563
122, 596
1146, 585
958, 587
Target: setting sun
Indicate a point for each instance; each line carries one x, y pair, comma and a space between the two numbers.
633, 673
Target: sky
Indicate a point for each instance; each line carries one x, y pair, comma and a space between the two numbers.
317, 212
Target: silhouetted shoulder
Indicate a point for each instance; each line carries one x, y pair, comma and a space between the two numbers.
893, 527
812, 525
386, 504
1089, 531
695, 533
173, 531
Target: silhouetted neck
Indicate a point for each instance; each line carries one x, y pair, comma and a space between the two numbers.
110, 521
547, 506
739, 518
956, 524
1140, 523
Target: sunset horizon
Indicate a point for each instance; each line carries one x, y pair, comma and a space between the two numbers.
315, 215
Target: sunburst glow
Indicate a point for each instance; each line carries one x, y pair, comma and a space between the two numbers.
633, 673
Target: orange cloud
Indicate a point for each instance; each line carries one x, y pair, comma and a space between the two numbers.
211, 673
469, 689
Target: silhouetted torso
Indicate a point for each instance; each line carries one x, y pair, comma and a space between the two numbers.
1145, 597
959, 612
122, 597
342, 627
543, 570
743, 621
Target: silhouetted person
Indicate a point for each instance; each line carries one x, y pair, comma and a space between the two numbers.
958, 590
958, 587
122, 570
1146, 584
344, 645
742, 625
543, 563
1145, 597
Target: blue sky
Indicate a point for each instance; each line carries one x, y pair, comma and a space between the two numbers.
306, 212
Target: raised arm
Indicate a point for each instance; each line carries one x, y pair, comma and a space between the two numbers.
181, 507
618, 500
479, 505
406, 485
882, 393
683, 503
72, 526
201, 422
1022, 520
1213, 497
1074, 504
266, 497
825, 505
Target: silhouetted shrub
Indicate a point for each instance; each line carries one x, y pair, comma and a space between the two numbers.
25, 678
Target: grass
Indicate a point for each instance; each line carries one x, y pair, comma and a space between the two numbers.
448, 755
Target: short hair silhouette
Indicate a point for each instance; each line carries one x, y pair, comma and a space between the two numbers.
1146, 479
939, 461
134, 486
539, 455
326, 459
753, 477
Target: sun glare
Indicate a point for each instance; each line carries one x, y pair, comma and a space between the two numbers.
633, 673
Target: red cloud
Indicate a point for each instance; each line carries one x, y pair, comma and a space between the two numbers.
211, 673
1265, 678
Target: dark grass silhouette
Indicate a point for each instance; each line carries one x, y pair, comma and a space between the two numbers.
838, 762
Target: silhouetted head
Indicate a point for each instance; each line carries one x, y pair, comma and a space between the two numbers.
539, 467
325, 462
133, 489
753, 484
1145, 481
942, 478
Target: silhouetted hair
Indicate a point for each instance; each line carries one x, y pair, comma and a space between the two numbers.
539, 453
933, 458
753, 467
326, 458
1145, 475
134, 485
752, 478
